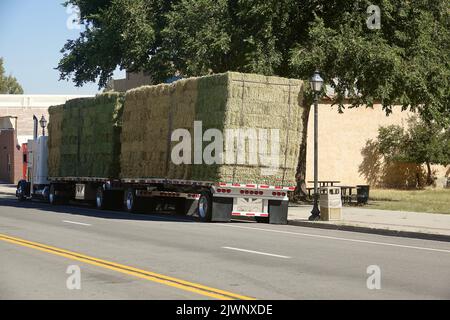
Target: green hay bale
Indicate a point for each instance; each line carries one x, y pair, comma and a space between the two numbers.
54, 139
223, 101
84, 136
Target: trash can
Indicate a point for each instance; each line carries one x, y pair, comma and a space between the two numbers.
362, 194
330, 203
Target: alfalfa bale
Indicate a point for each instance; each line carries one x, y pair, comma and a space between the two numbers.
225, 102
253, 102
89, 134
54, 140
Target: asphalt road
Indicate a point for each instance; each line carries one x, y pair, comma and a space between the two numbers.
184, 259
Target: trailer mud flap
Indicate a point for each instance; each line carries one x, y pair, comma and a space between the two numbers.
278, 211
222, 208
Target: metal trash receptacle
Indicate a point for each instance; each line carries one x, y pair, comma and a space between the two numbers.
330, 203
362, 194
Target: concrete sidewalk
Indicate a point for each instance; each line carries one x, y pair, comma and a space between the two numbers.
9, 189
400, 223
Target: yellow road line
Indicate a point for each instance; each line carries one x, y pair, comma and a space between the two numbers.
143, 274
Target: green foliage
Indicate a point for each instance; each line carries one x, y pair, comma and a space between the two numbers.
422, 143
202, 19
119, 32
8, 84
427, 143
406, 62
391, 142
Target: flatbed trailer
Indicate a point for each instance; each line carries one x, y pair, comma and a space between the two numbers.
210, 201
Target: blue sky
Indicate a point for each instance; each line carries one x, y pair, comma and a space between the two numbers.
32, 33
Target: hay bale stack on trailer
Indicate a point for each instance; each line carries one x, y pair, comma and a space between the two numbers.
229, 101
115, 147
84, 137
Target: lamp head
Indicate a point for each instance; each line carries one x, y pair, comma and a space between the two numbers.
316, 82
43, 122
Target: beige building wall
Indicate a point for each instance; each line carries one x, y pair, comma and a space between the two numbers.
132, 80
25, 106
342, 141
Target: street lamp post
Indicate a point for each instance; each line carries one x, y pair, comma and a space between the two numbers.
43, 123
316, 86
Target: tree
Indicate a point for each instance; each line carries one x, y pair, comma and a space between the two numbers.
405, 62
8, 84
421, 143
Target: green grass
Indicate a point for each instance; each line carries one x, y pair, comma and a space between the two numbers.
428, 200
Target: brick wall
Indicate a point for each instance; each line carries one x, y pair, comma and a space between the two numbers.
10, 157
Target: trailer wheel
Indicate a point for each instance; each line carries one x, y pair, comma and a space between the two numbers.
52, 198
129, 200
101, 199
23, 190
205, 206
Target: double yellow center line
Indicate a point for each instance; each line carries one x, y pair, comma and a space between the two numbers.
143, 274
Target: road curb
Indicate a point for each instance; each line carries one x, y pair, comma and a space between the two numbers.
384, 232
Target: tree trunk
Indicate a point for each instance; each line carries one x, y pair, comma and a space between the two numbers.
300, 192
430, 180
419, 184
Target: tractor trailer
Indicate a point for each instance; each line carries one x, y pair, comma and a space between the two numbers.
215, 147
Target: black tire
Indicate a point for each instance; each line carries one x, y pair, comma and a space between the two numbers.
22, 190
52, 197
205, 206
102, 199
130, 200
262, 219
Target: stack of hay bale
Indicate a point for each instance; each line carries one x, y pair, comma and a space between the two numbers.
223, 101
87, 137
84, 137
54, 140
150, 115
